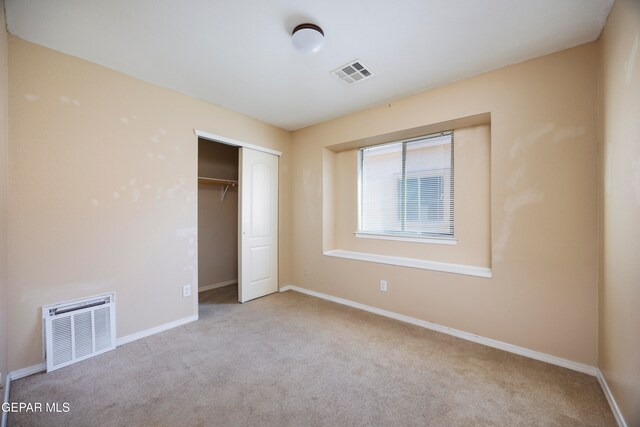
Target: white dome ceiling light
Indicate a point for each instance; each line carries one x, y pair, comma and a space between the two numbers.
308, 38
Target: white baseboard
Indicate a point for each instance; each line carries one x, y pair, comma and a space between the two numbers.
580, 367
554, 360
152, 331
16, 375
217, 285
7, 384
612, 401
25, 372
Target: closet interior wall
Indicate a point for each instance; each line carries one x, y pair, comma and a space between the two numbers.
217, 216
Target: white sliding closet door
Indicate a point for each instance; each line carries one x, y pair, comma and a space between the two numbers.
258, 211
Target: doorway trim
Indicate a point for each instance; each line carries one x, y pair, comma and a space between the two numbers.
234, 142
237, 143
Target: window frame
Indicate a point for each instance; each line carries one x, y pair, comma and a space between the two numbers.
408, 236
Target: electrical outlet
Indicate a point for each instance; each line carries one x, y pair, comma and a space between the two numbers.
383, 285
186, 291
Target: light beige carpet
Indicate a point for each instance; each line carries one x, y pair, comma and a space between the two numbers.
292, 360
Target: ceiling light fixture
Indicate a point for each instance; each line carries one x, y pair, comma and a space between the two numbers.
307, 38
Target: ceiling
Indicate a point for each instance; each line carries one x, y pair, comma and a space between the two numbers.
238, 54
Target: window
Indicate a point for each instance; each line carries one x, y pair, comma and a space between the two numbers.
406, 187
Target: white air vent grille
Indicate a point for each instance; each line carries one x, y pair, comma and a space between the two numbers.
353, 72
103, 328
84, 333
78, 330
61, 342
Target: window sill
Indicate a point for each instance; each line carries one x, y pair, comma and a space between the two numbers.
431, 240
467, 270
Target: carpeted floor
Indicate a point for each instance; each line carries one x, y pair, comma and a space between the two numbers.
291, 359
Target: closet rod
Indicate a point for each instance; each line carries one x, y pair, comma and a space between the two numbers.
216, 181
226, 183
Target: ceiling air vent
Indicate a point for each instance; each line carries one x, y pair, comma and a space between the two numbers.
353, 72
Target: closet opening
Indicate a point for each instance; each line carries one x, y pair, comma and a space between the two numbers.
218, 167
237, 217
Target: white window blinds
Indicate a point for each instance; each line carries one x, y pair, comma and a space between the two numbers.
406, 187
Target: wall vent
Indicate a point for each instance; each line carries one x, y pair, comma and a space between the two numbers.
353, 72
77, 330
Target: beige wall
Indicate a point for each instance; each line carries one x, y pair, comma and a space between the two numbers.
543, 203
4, 165
619, 339
103, 192
217, 219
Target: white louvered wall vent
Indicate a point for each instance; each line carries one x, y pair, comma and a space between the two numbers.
77, 330
353, 72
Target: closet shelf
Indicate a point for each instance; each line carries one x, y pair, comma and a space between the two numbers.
216, 181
